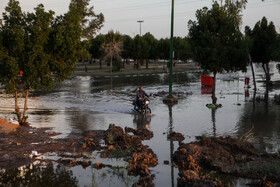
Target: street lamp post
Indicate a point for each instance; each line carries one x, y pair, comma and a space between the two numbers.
140, 21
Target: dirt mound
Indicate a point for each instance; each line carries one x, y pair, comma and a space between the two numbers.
6, 127
144, 134
139, 156
225, 155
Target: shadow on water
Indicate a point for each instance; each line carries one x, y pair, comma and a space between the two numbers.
33, 175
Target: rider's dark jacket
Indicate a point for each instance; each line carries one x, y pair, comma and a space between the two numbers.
141, 95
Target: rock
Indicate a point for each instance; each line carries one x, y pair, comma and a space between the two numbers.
86, 163
166, 162
177, 137
98, 165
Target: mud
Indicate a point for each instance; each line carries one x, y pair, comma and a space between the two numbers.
140, 157
174, 136
197, 160
144, 134
17, 147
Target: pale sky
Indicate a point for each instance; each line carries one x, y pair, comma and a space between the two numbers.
122, 15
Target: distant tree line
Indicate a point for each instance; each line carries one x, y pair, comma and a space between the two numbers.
142, 48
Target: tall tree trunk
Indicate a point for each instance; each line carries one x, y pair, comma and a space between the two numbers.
268, 74
100, 63
253, 72
16, 106
25, 107
214, 98
111, 64
266, 71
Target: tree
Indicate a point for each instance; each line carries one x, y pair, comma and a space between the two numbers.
248, 33
264, 40
141, 48
181, 48
217, 43
95, 47
276, 51
112, 49
44, 48
13, 42
152, 43
128, 44
163, 48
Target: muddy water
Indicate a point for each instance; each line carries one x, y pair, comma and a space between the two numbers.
92, 103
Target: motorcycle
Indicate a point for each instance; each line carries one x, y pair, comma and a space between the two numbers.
144, 107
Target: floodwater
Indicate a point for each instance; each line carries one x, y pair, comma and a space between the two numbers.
92, 103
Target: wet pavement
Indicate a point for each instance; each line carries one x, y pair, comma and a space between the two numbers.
92, 103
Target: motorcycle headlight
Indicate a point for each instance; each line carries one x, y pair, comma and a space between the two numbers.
147, 102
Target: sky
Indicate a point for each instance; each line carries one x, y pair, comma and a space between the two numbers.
122, 15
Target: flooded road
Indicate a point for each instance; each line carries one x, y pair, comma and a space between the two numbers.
92, 103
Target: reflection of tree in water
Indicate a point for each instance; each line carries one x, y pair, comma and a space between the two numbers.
263, 114
213, 114
108, 83
116, 176
78, 119
142, 121
33, 175
82, 120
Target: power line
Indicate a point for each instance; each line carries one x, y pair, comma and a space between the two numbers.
181, 14
145, 6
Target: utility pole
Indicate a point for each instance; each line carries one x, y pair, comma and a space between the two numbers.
140, 21
170, 99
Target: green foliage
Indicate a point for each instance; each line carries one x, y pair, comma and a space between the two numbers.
95, 46
262, 44
127, 46
163, 48
276, 51
141, 48
264, 40
45, 48
12, 45
152, 43
181, 48
216, 42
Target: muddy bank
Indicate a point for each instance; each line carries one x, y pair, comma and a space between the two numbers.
20, 145
24, 145
200, 161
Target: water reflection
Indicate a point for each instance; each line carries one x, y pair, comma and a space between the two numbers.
170, 125
142, 121
213, 115
34, 175
263, 114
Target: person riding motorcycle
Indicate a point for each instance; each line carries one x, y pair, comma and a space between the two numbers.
140, 95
